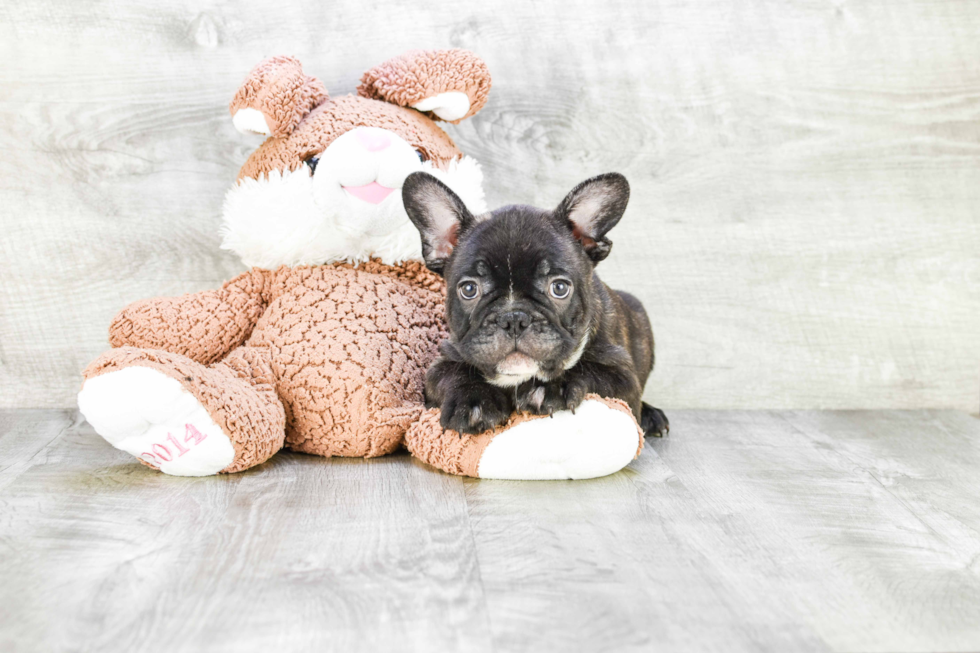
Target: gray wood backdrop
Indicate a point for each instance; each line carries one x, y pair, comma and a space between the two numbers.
805, 221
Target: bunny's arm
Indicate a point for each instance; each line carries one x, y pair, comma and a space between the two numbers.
203, 326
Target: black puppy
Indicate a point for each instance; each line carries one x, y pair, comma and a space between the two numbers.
532, 326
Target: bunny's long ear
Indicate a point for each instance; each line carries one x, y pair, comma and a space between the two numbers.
447, 85
275, 97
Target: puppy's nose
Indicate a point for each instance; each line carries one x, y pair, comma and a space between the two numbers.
514, 323
373, 140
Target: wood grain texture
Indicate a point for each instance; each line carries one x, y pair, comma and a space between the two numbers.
805, 218
742, 531
297, 554
749, 531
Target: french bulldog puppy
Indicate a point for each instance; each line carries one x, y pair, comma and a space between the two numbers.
532, 326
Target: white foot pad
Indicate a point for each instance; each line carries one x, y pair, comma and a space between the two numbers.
596, 441
150, 415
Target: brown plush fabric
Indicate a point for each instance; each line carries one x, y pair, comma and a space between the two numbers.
340, 115
350, 347
419, 74
343, 348
448, 450
278, 88
203, 326
238, 392
460, 454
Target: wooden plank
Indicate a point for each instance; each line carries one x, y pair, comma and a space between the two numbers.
928, 463
742, 531
302, 553
24, 434
806, 175
625, 563
818, 499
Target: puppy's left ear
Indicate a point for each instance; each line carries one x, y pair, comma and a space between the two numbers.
592, 209
438, 214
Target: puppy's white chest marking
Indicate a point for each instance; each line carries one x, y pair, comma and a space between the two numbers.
577, 354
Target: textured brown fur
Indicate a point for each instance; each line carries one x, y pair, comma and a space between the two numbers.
343, 349
419, 74
278, 88
204, 326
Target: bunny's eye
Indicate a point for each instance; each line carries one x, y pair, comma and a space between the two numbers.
421, 156
311, 162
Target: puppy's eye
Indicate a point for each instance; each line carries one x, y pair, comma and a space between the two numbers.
468, 289
312, 161
421, 155
560, 288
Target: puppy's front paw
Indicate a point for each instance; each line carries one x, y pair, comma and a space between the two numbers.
548, 398
475, 408
540, 398
653, 422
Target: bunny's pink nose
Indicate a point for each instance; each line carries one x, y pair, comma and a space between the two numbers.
373, 140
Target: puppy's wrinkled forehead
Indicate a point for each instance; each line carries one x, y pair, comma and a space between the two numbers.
517, 242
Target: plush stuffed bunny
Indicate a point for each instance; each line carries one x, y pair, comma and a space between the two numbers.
323, 344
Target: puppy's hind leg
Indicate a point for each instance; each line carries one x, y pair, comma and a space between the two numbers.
653, 421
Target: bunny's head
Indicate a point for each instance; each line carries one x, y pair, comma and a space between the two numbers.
325, 185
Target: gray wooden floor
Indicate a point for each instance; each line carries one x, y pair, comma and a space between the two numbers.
845, 531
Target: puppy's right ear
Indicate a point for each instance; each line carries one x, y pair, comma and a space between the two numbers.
592, 209
438, 214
